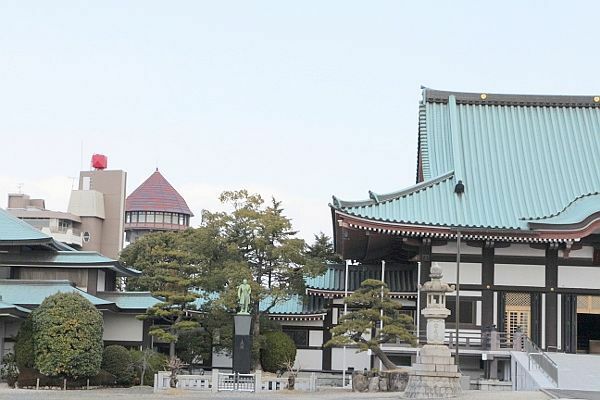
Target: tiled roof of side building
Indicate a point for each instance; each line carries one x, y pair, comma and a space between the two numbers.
15, 231
399, 277
33, 293
130, 300
73, 258
156, 194
519, 158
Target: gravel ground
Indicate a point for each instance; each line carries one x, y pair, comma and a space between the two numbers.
146, 393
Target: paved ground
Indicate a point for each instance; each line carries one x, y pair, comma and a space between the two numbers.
574, 394
578, 371
146, 393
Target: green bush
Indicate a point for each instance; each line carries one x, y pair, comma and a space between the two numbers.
24, 355
117, 361
28, 378
149, 362
67, 336
103, 378
9, 370
278, 349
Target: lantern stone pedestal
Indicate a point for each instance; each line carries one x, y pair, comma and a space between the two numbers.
434, 375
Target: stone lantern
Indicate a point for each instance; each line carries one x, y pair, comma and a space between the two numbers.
434, 375
436, 312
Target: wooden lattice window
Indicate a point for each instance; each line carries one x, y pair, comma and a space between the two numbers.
588, 304
517, 313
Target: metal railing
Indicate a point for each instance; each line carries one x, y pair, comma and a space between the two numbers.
236, 382
540, 359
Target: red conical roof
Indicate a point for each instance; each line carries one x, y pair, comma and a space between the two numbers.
156, 194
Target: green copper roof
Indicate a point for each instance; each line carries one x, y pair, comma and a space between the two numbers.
296, 305
12, 309
65, 259
26, 292
520, 158
130, 300
13, 230
400, 278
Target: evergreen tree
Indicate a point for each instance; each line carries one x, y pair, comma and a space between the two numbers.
67, 336
356, 327
264, 249
170, 272
322, 249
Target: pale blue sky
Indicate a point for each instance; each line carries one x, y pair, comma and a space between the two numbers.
299, 100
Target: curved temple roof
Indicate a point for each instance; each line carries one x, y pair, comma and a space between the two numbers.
520, 158
156, 194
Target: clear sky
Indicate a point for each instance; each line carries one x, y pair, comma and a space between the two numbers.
299, 100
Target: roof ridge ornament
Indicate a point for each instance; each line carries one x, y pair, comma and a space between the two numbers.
374, 196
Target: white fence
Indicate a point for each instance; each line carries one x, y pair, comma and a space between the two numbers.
225, 381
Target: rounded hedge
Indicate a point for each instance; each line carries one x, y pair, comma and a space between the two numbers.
67, 336
117, 361
278, 350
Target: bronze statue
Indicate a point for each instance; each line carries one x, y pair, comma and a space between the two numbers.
243, 293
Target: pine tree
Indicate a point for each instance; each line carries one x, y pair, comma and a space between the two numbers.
363, 319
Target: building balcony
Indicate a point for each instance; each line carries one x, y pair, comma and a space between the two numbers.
69, 236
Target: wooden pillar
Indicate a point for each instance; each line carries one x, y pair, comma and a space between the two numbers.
569, 323
551, 296
487, 281
501, 311
327, 325
92, 281
536, 318
425, 257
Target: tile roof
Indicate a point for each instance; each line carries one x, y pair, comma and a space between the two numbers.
130, 300
156, 194
400, 278
520, 158
29, 292
14, 230
72, 259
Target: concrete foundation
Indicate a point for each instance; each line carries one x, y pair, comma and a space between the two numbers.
434, 376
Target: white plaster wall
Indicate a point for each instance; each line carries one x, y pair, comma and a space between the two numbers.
122, 327
519, 250
315, 338
339, 300
358, 361
519, 275
101, 286
470, 273
579, 277
584, 252
309, 359
450, 248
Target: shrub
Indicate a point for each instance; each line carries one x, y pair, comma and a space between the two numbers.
24, 355
9, 370
117, 361
148, 363
103, 378
279, 349
67, 336
28, 378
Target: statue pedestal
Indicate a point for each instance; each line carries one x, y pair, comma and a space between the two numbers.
242, 347
434, 375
